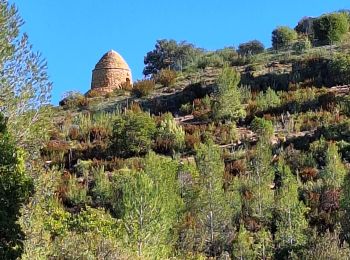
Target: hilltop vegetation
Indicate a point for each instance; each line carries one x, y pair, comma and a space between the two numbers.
228, 154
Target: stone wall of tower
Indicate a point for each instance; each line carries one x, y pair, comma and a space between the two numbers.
109, 79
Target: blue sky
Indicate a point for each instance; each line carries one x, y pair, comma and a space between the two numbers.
73, 34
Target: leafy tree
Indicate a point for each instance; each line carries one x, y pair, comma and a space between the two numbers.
290, 223
228, 97
251, 48
15, 189
305, 26
169, 54
330, 28
151, 205
283, 37
25, 88
133, 133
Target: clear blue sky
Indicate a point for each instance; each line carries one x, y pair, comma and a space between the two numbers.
73, 34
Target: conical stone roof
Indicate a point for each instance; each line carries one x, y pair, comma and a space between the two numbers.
110, 73
112, 60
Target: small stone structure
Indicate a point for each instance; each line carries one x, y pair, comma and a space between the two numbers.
110, 73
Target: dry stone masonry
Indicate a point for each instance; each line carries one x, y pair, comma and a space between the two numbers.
110, 73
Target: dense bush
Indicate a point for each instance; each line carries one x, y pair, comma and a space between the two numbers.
251, 48
170, 137
166, 77
210, 60
267, 100
283, 37
339, 69
330, 28
262, 126
133, 133
15, 189
143, 88
305, 27
301, 45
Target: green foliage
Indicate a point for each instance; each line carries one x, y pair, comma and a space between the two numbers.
166, 77
215, 208
259, 182
251, 48
103, 189
169, 54
228, 100
143, 88
269, 99
327, 246
303, 44
151, 206
331, 28
283, 37
291, 223
211, 59
262, 127
15, 189
133, 133
334, 173
25, 88
88, 245
77, 192
170, 136
339, 69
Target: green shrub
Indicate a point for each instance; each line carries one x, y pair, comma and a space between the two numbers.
143, 88
283, 37
302, 45
76, 192
133, 133
210, 60
74, 99
339, 69
267, 100
330, 28
186, 108
170, 136
166, 77
262, 126
251, 48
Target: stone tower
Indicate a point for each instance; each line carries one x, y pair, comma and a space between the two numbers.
110, 72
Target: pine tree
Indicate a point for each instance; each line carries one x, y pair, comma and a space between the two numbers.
291, 223
334, 173
151, 205
215, 209
261, 181
228, 97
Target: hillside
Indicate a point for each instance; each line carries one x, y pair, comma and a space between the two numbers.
228, 154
